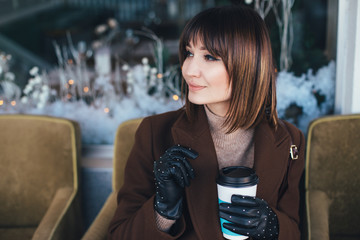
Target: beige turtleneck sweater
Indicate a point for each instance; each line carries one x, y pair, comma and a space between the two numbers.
232, 149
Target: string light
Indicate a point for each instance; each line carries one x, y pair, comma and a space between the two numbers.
1, 102
106, 110
86, 89
159, 75
13, 103
68, 96
71, 82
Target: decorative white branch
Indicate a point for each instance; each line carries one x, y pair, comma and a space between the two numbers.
285, 24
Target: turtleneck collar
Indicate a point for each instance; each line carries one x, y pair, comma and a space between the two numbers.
235, 148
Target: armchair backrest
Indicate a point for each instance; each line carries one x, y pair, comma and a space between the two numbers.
38, 155
333, 170
124, 141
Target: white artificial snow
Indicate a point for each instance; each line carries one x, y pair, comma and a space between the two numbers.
301, 91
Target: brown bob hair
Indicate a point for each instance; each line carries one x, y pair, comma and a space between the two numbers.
238, 35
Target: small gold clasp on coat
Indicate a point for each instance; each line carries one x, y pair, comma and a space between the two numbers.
294, 153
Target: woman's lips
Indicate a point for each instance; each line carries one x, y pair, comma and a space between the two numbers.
193, 87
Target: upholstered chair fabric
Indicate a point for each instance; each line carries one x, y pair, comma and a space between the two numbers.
124, 141
333, 178
39, 197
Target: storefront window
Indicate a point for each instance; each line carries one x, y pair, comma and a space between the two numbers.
118, 60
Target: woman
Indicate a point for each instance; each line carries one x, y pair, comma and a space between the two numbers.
229, 119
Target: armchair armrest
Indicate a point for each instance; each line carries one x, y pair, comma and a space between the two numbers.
318, 204
52, 218
99, 227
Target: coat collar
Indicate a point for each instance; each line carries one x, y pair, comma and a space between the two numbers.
270, 162
200, 126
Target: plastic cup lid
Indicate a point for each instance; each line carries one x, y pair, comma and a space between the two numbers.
237, 176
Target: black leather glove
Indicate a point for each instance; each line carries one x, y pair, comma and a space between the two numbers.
172, 173
250, 216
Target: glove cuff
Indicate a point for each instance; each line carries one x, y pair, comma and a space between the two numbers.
169, 212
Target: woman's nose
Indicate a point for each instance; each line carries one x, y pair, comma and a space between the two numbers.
191, 68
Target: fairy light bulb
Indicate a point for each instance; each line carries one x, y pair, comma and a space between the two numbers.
175, 97
86, 89
106, 110
13, 103
1, 102
71, 82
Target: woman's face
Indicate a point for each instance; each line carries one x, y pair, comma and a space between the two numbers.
207, 79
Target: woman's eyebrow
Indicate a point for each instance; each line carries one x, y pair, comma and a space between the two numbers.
190, 46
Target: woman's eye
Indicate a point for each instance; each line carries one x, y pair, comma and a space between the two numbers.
188, 54
211, 58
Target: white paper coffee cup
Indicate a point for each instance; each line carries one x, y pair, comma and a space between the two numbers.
235, 180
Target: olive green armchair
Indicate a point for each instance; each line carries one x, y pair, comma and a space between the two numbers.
124, 140
39, 196
333, 178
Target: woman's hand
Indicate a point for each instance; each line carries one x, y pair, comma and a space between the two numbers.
172, 173
250, 216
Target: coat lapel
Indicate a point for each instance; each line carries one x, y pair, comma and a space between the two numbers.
202, 193
271, 159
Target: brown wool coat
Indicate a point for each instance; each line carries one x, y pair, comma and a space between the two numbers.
135, 218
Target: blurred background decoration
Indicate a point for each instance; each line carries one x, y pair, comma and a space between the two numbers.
103, 62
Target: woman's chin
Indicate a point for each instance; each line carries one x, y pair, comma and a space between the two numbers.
196, 101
